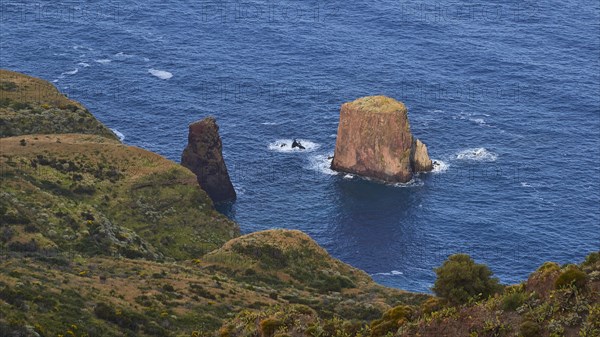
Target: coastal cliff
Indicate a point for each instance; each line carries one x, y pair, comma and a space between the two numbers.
98, 238
127, 242
374, 140
203, 156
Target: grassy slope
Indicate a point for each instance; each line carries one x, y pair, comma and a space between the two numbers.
103, 239
29, 105
97, 196
535, 308
115, 296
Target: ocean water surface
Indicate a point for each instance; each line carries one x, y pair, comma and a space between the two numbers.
506, 94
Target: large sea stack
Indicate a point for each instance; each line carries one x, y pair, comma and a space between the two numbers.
203, 156
374, 140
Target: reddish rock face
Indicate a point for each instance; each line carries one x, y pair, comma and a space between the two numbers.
374, 140
203, 156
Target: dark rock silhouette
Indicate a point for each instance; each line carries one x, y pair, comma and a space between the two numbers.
298, 145
203, 156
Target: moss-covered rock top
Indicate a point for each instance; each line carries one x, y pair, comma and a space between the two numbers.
378, 104
30, 105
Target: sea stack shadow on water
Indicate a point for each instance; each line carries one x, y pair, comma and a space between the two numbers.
374, 140
203, 156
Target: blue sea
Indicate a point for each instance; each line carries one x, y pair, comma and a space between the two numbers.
506, 94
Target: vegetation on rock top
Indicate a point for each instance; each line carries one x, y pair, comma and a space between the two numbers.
378, 104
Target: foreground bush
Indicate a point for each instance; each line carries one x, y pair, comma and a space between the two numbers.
460, 278
391, 320
572, 276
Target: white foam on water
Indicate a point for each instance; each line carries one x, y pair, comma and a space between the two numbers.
391, 273
77, 47
239, 189
122, 55
83, 64
119, 134
414, 182
103, 61
163, 75
71, 72
270, 123
439, 166
477, 154
285, 146
478, 121
321, 163
146, 59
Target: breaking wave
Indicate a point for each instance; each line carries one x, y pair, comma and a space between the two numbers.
163, 75
439, 166
477, 154
119, 134
391, 273
285, 146
321, 163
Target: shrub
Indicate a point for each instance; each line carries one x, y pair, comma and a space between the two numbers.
123, 319
8, 86
512, 301
30, 246
573, 276
20, 106
530, 329
548, 267
4, 102
460, 278
200, 291
391, 321
325, 283
168, 287
591, 260
268, 326
432, 304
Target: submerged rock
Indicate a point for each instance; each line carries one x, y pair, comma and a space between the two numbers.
374, 140
203, 156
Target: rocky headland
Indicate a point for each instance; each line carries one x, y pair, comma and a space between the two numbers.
98, 238
374, 140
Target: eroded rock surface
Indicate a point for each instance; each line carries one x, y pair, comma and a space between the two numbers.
203, 156
374, 140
